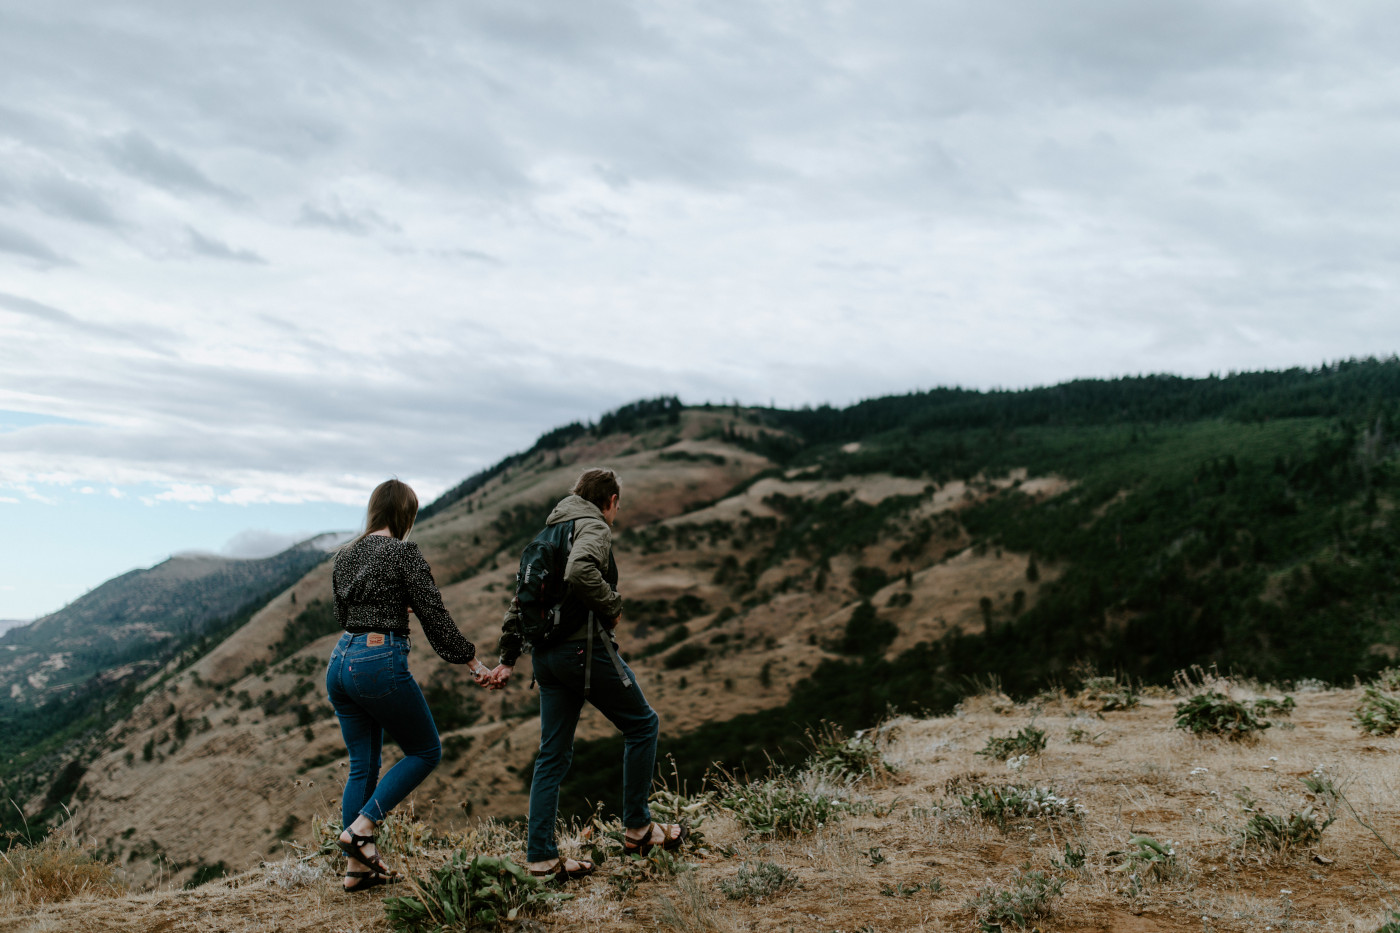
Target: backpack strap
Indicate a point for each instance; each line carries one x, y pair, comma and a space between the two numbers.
608, 646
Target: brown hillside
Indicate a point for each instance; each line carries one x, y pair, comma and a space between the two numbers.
226, 760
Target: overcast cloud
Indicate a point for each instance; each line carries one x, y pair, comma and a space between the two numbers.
282, 250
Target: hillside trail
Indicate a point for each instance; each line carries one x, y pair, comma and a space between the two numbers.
914, 856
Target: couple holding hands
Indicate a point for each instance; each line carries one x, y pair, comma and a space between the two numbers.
380, 577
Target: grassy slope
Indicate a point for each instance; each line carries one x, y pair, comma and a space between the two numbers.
1138, 776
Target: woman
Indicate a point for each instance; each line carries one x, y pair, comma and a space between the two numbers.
378, 579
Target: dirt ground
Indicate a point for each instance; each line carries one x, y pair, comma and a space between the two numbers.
1131, 772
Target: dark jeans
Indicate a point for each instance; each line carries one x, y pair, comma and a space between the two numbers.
373, 693
559, 672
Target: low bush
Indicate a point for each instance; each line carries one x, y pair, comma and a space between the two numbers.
851, 759
1284, 833
1146, 857
1000, 804
757, 880
1027, 741
462, 894
1213, 713
1029, 897
778, 807
1378, 713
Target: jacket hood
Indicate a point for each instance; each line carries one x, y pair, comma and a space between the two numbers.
573, 507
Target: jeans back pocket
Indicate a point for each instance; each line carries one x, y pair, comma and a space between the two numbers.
373, 675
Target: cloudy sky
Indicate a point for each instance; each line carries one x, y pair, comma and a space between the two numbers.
255, 257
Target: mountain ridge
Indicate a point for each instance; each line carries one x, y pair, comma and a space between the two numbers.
776, 573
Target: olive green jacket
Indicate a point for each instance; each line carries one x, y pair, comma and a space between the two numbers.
589, 555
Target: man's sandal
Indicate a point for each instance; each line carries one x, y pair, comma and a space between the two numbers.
366, 880
560, 870
668, 843
355, 849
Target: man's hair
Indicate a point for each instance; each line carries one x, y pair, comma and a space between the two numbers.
598, 487
392, 505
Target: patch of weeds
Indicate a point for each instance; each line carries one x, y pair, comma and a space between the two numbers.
1378, 713
1284, 833
852, 759
778, 807
401, 834
1082, 732
757, 880
1213, 713
1146, 857
1392, 917
1076, 857
1388, 679
1267, 706
1029, 897
55, 868
1028, 741
486, 890
291, 873
901, 889
1110, 694
875, 855
1000, 804
690, 910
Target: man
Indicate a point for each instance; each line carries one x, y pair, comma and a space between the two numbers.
584, 665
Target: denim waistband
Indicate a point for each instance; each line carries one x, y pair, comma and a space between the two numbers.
351, 639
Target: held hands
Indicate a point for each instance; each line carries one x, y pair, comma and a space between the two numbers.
497, 679
482, 675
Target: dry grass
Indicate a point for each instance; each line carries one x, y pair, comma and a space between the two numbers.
57, 868
916, 860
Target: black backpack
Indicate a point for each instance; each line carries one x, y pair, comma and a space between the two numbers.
540, 587
546, 615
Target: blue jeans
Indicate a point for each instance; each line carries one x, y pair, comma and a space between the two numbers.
373, 693
559, 672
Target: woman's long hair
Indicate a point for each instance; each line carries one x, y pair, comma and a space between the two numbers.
392, 505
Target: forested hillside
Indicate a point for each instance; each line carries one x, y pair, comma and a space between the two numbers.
1246, 521
781, 568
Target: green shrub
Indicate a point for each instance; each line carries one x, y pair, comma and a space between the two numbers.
1213, 713
1028, 741
1378, 713
851, 759
757, 880
778, 807
1266, 706
1281, 834
1002, 803
1148, 857
461, 894
1029, 897
1392, 923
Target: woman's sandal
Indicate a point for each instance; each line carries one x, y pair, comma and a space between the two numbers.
560, 870
355, 849
366, 880
644, 845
